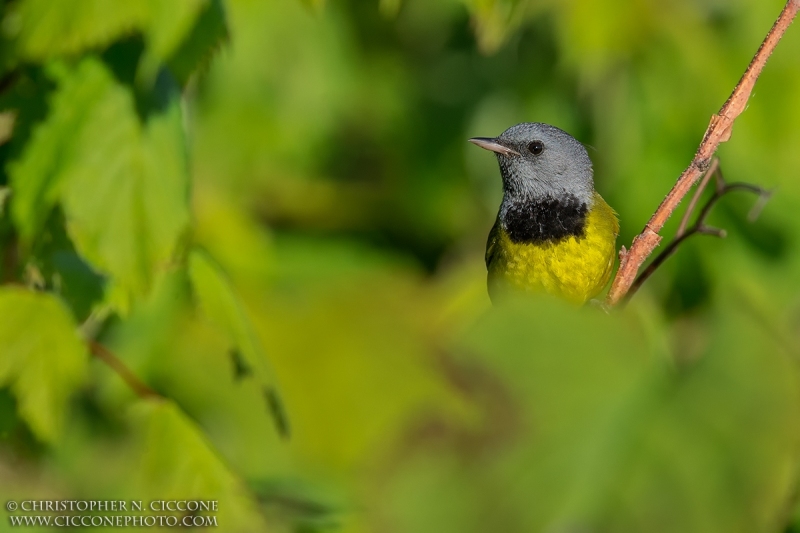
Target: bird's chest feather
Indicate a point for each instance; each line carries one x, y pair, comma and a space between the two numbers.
562, 247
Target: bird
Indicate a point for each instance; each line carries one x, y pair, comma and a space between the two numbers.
553, 232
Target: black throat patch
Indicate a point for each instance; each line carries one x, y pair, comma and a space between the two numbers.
545, 220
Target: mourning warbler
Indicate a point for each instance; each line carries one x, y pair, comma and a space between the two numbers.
554, 232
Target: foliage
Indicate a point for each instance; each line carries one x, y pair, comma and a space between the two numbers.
44, 359
268, 215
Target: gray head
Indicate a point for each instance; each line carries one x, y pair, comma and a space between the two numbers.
539, 161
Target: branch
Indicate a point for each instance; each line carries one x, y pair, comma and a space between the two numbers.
115, 364
700, 227
710, 173
719, 131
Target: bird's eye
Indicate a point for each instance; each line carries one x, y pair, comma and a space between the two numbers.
536, 147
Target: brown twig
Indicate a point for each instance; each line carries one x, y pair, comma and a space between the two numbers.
719, 131
700, 227
710, 173
131, 379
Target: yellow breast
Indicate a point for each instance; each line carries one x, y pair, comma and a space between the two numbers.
575, 268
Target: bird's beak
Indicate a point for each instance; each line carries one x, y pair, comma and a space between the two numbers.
493, 145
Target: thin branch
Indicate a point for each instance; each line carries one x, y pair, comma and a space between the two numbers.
719, 131
699, 227
712, 170
114, 363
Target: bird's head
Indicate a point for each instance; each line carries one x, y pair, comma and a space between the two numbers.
541, 161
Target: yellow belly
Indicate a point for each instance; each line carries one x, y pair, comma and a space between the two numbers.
576, 269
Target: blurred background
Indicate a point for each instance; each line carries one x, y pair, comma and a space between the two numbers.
268, 213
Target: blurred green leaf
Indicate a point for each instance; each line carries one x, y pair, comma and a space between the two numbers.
180, 353
42, 357
609, 437
123, 185
196, 51
129, 226
221, 304
43, 30
65, 272
53, 149
168, 25
178, 463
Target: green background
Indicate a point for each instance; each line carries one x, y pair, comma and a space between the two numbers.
269, 213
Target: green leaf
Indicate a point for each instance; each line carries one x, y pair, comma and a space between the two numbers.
206, 37
221, 304
65, 272
43, 29
42, 358
169, 23
123, 185
178, 463
167, 27
54, 147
